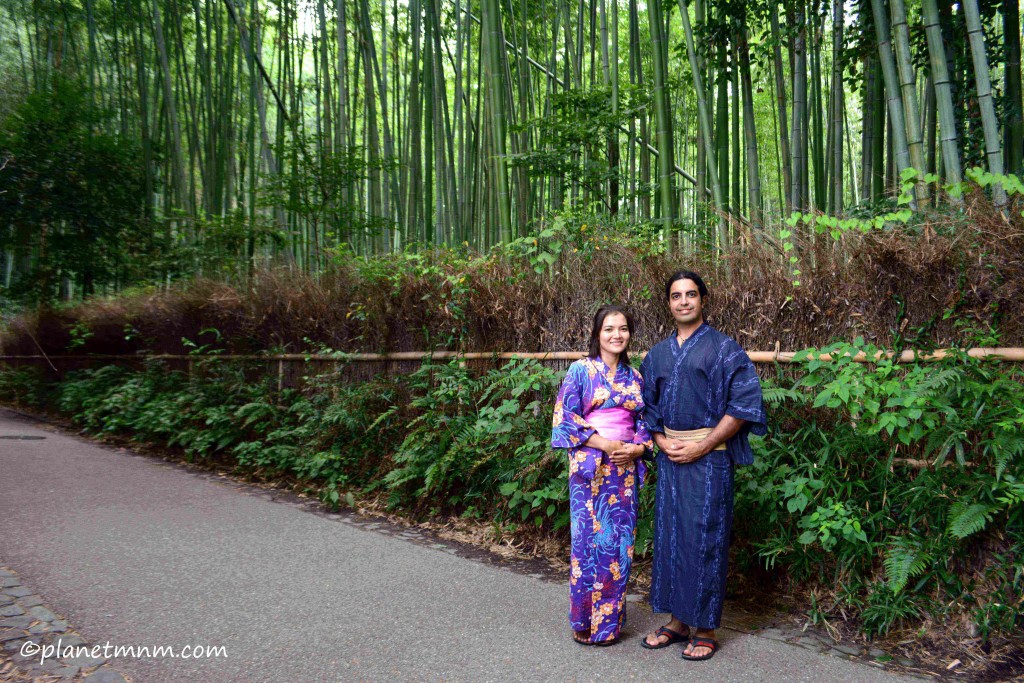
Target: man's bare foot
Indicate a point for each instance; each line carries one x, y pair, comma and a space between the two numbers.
700, 651
673, 632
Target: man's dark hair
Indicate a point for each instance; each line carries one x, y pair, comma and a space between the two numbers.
595, 333
686, 275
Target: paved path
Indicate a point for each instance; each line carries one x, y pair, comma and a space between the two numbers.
133, 552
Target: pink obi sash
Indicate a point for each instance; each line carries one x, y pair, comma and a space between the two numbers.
613, 423
616, 424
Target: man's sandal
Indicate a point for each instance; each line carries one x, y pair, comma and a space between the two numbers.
673, 638
709, 643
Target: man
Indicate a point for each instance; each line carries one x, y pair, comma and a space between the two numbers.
702, 399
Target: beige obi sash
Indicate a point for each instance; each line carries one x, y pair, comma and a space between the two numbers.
692, 435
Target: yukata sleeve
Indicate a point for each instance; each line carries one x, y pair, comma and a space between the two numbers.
651, 415
568, 427
642, 434
743, 392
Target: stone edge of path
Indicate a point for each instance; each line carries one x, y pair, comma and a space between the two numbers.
776, 627
27, 624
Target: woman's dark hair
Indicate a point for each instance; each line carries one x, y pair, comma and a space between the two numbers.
595, 333
686, 275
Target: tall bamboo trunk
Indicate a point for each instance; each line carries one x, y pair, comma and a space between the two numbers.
986, 103
780, 95
705, 126
737, 143
496, 103
750, 134
867, 138
901, 153
838, 107
798, 148
415, 222
613, 143
879, 141
815, 117
943, 92
638, 73
700, 213
908, 89
722, 124
931, 127
1013, 134
663, 120
171, 110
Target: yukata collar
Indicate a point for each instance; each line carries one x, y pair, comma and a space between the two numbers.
678, 348
603, 368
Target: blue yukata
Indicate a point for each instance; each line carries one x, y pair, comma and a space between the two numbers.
602, 496
692, 386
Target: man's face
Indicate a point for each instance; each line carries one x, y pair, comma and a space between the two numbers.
685, 303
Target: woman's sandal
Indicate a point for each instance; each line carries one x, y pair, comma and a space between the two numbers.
601, 643
673, 638
709, 643
605, 643
581, 637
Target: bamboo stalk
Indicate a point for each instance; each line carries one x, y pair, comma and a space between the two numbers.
892, 91
705, 124
798, 148
993, 149
661, 112
780, 96
908, 90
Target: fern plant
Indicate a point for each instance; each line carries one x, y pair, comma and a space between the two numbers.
904, 559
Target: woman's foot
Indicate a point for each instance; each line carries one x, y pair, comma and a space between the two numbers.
674, 631
581, 637
695, 651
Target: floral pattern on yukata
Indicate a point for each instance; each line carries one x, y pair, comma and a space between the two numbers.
602, 496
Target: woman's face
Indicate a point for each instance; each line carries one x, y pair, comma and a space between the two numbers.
614, 336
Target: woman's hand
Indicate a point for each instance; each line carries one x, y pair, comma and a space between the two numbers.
626, 454
602, 444
619, 453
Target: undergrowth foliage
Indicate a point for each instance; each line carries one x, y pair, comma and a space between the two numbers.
901, 487
897, 489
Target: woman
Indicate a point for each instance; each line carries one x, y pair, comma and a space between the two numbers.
597, 417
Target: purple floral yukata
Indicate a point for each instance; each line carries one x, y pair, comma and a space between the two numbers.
602, 496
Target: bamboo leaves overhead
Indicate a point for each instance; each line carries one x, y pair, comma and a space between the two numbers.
316, 128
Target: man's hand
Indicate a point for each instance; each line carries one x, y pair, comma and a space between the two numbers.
681, 451
688, 451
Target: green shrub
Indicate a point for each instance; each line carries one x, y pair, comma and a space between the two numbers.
889, 480
26, 386
472, 437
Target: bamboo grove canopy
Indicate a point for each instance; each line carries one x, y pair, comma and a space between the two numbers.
149, 139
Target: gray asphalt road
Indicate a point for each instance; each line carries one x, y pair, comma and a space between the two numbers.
136, 552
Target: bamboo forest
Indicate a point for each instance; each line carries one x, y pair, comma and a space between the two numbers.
147, 140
